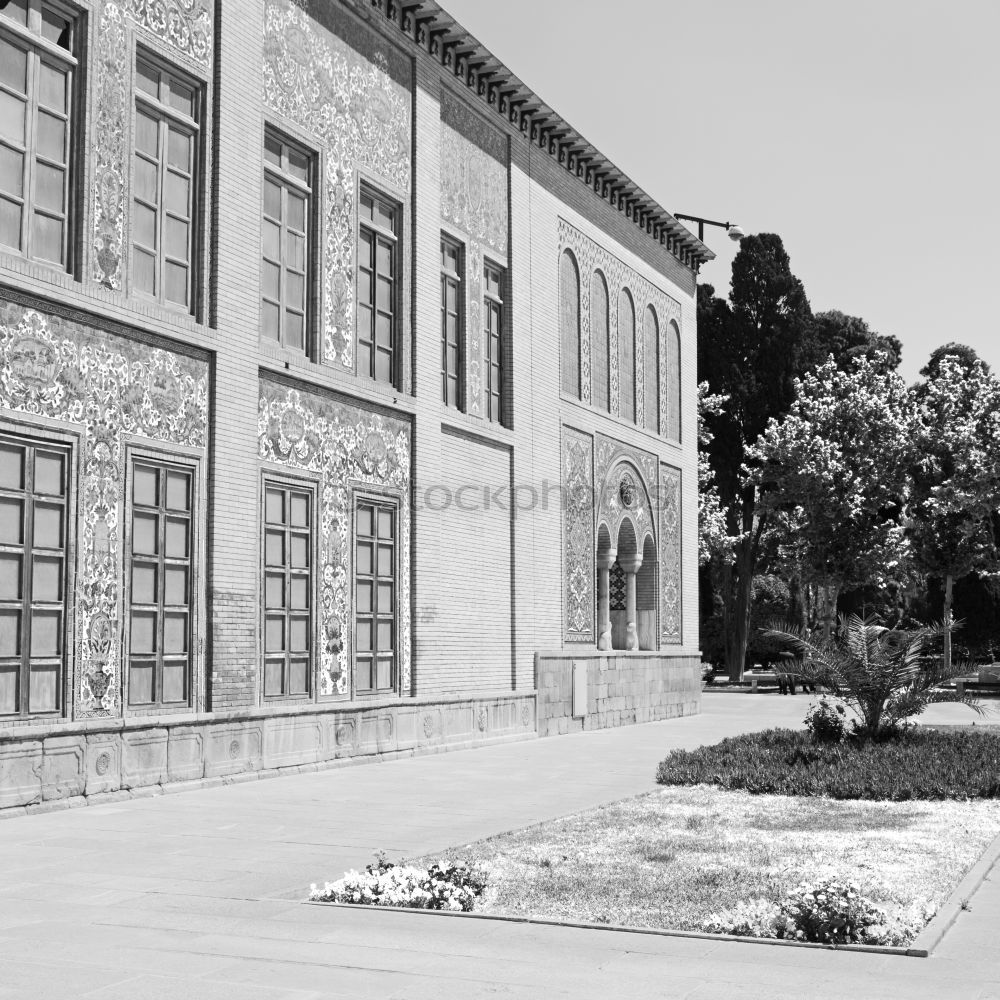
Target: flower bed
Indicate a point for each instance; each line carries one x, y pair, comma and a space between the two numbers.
921, 764
448, 887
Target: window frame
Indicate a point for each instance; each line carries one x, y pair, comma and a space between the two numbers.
166, 115
496, 303
190, 465
49, 439
458, 280
287, 181
40, 50
394, 238
378, 502
280, 480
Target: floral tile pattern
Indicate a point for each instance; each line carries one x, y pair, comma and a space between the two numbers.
349, 447
360, 114
578, 535
670, 555
109, 388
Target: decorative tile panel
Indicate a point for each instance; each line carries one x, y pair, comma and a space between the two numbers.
670, 554
578, 534
353, 94
593, 257
473, 175
474, 360
186, 26
348, 446
107, 387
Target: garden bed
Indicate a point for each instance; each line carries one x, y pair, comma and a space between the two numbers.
926, 764
671, 859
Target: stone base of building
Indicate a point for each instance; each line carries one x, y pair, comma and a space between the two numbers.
603, 690
71, 764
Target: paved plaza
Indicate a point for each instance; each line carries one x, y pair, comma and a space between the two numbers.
197, 895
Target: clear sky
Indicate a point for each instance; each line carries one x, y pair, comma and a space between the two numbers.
866, 133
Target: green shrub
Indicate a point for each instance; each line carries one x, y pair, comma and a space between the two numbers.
922, 764
825, 721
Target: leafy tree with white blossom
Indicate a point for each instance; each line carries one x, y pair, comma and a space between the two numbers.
953, 521
837, 466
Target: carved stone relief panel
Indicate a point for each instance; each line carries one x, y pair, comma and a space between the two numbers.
670, 555
591, 256
108, 388
347, 445
186, 26
352, 92
578, 535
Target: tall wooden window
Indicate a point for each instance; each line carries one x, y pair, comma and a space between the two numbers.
160, 585
569, 322
626, 357
285, 269
34, 522
600, 348
650, 371
375, 597
377, 287
673, 382
164, 225
493, 315
288, 585
37, 67
452, 353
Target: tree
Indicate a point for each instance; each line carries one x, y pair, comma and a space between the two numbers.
749, 350
838, 463
953, 520
849, 337
712, 538
965, 357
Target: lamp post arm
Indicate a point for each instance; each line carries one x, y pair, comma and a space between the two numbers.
702, 223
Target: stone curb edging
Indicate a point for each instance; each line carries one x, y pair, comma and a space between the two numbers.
930, 937
623, 929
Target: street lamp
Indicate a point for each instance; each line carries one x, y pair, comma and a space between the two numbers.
734, 231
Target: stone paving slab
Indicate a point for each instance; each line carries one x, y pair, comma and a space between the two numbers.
196, 896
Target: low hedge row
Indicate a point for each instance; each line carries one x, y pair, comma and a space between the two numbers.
920, 764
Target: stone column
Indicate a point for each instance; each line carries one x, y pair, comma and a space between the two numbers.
605, 561
631, 567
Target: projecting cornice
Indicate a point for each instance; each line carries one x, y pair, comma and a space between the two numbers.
427, 25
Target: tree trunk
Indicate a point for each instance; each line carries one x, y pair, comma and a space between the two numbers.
797, 602
948, 581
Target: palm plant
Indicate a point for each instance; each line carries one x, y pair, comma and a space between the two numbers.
885, 676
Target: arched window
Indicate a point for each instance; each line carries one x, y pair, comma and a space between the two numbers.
600, 346
626, 356
569, 322
651, 371
674, 382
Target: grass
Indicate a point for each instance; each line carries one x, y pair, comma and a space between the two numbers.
670, 858
924, 764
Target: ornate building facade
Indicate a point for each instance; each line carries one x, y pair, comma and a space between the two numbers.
347, 400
